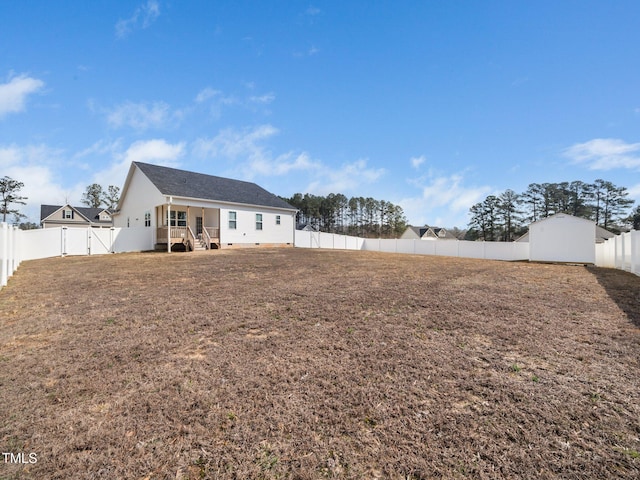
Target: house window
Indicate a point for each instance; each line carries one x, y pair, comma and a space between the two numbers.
127, 222
67, 214
258, 221
178, 219
232, 220
147, 219
277, 219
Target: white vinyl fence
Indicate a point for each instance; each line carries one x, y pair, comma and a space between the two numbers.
9, 244
19, 245
510, 251
621, 251
304, 239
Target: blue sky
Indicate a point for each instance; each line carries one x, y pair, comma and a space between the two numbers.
429, 104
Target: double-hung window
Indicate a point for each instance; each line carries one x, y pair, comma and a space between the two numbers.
277, 219
178, 219
258, 221
232, 221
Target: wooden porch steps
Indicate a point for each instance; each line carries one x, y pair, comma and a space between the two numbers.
199, 246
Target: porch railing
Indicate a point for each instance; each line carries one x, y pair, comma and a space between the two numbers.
185, 235
212, 232
177, 233
191, 239
206, 238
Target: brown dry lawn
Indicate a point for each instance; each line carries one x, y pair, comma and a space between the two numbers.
304, 364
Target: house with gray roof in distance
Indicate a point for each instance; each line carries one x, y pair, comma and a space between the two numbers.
189, 211
427, 233
69, 216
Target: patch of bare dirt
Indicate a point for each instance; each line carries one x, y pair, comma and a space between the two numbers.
308, 364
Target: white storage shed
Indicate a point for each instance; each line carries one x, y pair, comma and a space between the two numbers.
562, 238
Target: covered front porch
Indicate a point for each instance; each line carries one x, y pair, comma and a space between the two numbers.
186, 227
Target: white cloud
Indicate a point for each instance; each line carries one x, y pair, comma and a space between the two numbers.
634, 192
206, 94
605, 154
417, 161
345, 179
159, 151
312, 11
247, 150
215, 100
263, 99
442, 199
14, 93
142, 17
38, 167
281, 165
100, 148
231, 143
141, 116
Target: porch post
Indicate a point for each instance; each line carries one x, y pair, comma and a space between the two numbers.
203, 220
168, 227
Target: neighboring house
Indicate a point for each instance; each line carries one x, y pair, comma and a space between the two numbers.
562, 238
427, 233
197, 211
68, 216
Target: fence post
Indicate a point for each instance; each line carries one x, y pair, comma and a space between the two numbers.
63, 241
12, 250
633, 238
3, 253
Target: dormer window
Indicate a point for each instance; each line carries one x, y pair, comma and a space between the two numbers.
67, 214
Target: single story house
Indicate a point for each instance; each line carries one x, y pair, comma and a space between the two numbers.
68, 216
191, 211
427, 233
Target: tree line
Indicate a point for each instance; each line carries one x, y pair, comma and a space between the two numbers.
505, 217
357, 216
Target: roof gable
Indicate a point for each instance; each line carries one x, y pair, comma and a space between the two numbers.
87, 213
182, 183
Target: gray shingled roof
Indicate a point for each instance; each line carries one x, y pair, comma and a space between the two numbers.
93, 214
418, 230
181, 183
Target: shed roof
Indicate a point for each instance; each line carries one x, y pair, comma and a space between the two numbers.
182, 183
559, 216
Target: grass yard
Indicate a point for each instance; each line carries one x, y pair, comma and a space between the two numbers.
305, 364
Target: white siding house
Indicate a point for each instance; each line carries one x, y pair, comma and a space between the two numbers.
181, 209
68, 216
562, 238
